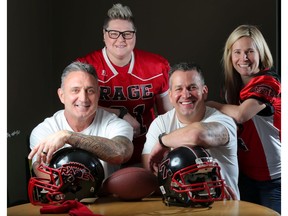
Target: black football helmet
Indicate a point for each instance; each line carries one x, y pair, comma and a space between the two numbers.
73, 174
189, 176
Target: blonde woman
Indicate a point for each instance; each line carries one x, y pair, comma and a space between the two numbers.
253, 96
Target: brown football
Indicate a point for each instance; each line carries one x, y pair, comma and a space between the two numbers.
131, 183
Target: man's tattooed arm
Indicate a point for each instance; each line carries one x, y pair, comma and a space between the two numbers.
116, 150
198, 133
214, 134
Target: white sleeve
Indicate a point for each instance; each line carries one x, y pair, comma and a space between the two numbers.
152, 136
112, 125
164, 123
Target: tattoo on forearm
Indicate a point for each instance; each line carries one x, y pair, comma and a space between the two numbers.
216, 133
105, 149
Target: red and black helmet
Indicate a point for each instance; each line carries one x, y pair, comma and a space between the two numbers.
73, 174
189, 176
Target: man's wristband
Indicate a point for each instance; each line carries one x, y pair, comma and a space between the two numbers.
123, 112
160, 140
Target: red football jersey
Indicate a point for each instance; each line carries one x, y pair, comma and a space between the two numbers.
260, 159
133, 86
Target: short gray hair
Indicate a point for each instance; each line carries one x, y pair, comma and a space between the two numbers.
78, 66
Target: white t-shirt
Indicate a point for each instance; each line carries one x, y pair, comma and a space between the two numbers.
226, 156
105, 124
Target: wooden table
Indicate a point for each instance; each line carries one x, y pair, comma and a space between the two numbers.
110, 206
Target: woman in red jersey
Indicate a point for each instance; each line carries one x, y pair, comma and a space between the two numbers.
253, 96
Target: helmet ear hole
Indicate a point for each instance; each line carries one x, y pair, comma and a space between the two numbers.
75, 174
189, 176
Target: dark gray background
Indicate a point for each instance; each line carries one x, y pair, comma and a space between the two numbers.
45, 36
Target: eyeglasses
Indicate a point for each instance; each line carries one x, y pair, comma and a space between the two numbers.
113, 34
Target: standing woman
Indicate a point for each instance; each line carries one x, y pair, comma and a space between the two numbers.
133, 83
253, 96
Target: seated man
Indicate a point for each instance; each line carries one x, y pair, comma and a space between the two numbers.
191, 123
82, 124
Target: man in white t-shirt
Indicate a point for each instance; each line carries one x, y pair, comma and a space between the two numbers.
191, 123
82, 124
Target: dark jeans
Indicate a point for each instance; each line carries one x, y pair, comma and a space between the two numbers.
266, 193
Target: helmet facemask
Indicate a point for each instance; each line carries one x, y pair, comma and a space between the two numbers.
73, 174
197, 185
43, 191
